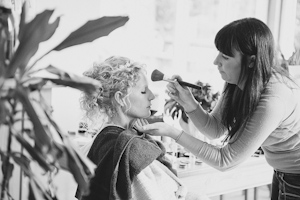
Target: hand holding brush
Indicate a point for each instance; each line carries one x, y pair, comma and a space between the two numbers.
159, 76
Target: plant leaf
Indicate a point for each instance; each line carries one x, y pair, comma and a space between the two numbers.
7, 168
2, 55
92, 30
23, 162
76, 167
71, 160
295, 58
42, 139
31, 35
68, 158
36, 192
23, 18
34, 83
36, 155
3, 112
82, 83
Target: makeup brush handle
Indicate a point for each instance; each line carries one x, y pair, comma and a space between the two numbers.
182, 83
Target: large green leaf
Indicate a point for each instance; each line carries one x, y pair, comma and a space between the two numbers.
76, 168
34, 83
42, 139
3, 112
7, 168
36, 155
31, 35
92, 30
83, 83
23, 18
37, 192
295, 58
23, 162
2, 55
72, 160
38, 189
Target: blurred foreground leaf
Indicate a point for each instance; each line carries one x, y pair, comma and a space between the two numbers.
31, 35
92, 30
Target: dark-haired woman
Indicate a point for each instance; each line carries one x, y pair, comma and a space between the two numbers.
259, 106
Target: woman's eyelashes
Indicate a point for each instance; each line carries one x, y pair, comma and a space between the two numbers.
225, 57
145, 90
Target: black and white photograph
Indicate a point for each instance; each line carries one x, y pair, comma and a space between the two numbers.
150, 99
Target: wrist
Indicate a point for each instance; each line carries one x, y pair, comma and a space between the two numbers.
178, 135
191, 108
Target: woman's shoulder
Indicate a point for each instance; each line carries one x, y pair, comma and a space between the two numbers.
282, 85
108, 129
144, 147
107, 136
281, 91
112, 128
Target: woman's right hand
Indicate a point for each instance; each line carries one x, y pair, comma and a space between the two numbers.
182, 95
160, 129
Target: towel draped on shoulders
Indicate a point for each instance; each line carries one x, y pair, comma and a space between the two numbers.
120, 155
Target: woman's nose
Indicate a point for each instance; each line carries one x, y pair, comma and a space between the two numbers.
151, 96
216, 61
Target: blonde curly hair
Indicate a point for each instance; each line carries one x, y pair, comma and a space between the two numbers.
116, 73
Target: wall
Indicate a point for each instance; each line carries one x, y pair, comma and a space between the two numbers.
126, 41
172, 45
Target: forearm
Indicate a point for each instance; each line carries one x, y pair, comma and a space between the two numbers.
222, 159
247, 139
206, 123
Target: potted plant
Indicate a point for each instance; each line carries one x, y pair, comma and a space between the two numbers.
205, 97
292, 64
25, 117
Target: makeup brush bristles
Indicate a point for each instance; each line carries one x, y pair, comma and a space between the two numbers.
157, 75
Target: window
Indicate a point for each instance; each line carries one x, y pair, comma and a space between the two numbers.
188, 29
297, 26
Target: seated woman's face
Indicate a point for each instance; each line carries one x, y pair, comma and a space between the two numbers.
139, 99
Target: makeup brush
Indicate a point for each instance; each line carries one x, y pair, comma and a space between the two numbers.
159, 76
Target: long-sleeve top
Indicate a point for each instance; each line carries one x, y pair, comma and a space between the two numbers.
274, 125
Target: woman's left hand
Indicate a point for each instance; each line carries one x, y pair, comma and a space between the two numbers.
139, 123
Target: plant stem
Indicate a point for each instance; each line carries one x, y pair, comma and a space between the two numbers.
22, 148
6, 165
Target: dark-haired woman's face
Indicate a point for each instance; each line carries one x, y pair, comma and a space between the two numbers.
229, 67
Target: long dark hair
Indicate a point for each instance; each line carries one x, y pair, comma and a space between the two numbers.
254, 40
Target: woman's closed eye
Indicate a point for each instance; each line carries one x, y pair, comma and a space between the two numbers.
145, 90
225, 57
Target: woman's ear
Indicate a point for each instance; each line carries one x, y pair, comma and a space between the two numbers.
252, 61
119, 98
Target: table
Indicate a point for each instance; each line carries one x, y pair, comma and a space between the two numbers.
200, 179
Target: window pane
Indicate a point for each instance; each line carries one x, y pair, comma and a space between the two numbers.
297, 29
188, 29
